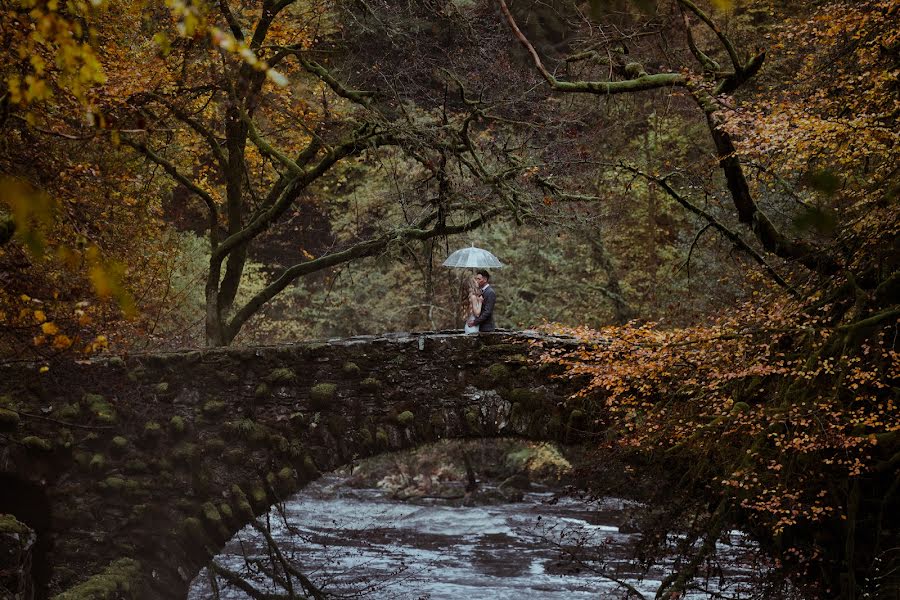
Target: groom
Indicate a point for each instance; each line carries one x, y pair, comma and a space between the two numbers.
485, 321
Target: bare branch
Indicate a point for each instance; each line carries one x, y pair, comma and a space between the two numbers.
194, 124
235, 27
183, 180
735, 238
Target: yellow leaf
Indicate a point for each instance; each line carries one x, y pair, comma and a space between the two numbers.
50, 328
62, 342
44, 369
101, 280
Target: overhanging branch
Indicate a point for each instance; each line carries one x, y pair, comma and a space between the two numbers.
735, 238
360, 250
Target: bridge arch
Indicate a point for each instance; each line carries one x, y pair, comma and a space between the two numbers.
152, 462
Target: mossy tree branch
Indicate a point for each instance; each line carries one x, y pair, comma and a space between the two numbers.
637, 84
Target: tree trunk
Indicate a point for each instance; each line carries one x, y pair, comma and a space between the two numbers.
748, 211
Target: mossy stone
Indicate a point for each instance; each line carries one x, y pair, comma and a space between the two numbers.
177, 425
137, 466
309, 465
192, 527
65, 439
82, 459
576, 416
214, 446
121, 579
133, 488
370, 384
281, 376
99, 408
184, 453
115, 361
152, 430
9, 420
497, 373
258, 496
286, 474
351, 369
241, 502
90, 400
298, 421
234, 456
211, 513
114, 484
213, 408
119, 444
322, 394
279, 443
405, 418
381, 437
226, 512
98, 462
69, 412
162, 387
517, 359
135, 375
9, 524
106, 418
37, 444
739, 407
529, 399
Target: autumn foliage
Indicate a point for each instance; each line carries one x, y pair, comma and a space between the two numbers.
783, 411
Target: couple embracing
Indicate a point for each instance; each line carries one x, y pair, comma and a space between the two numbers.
481, 304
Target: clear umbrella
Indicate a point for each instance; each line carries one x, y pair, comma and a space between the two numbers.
472, 258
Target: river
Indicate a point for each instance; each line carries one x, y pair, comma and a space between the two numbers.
361, 542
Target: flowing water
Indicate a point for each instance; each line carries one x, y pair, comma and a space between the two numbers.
358, 541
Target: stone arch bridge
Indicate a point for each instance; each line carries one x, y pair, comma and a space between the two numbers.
134, 470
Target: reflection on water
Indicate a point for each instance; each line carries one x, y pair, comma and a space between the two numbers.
352, 541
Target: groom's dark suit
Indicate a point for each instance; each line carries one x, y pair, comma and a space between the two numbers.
485, 320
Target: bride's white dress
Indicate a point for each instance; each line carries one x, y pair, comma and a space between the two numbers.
474, 307
470, 328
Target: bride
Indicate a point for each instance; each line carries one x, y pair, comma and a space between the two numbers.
473, 307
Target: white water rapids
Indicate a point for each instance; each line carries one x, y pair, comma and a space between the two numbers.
353, 542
